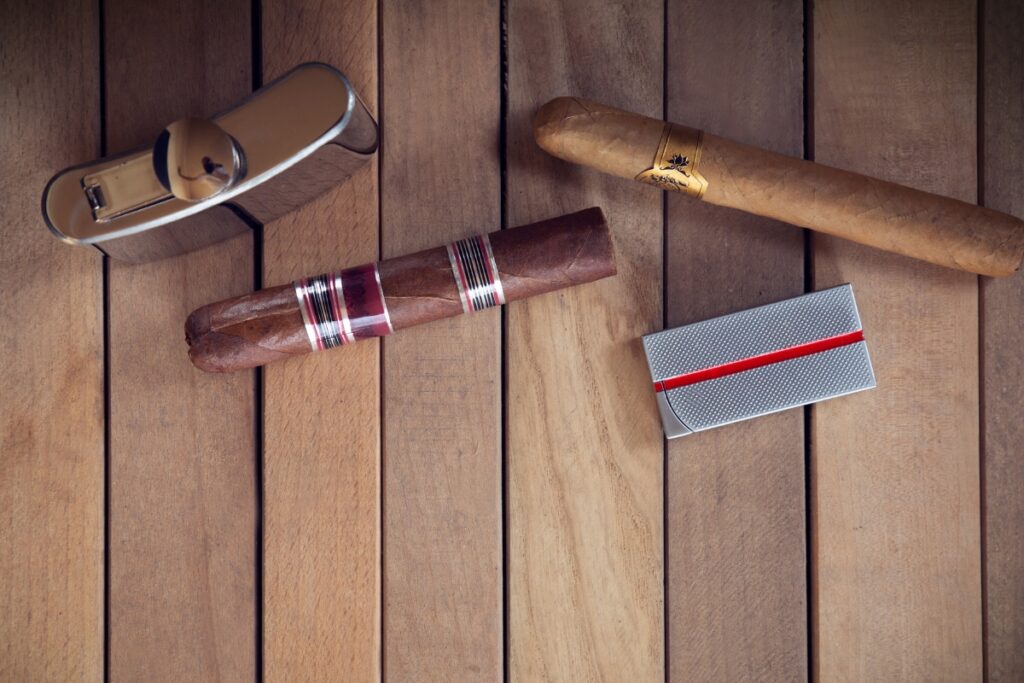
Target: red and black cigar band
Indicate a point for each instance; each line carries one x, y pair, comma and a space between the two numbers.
342, 307
476, 273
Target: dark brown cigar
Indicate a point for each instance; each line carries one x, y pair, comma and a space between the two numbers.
376, 299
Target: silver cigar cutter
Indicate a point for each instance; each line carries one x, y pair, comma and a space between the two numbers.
759, 361
205, 180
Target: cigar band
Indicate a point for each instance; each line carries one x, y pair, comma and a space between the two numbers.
343, 307
476, 273
676, 162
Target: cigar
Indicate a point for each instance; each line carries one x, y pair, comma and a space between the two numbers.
867, 210
376, 299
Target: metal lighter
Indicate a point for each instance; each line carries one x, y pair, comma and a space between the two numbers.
204, 181
759, 361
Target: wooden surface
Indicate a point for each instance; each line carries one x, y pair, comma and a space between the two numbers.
584, 464
735, 555
490, 496
1002, 363
321, 433
51, 356
442, 454
895, 481
182, 487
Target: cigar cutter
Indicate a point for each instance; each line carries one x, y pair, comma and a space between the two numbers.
759, 361
205, 180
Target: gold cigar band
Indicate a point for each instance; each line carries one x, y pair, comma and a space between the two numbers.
675, 163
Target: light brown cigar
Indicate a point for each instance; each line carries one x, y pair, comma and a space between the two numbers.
867, 210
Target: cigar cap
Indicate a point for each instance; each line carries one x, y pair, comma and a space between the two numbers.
605, 138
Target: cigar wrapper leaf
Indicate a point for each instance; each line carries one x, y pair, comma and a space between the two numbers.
867, 210
443, 282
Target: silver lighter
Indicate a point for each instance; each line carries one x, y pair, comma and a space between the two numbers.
759, 361
287, 143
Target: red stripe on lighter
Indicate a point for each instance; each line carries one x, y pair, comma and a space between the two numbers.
733, 367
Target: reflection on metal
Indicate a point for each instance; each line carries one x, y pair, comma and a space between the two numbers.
195, 159
287, 143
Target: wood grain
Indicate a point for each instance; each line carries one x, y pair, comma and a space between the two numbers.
321, 539
182, 449
440, 181
895, 480
584, 445
51, 355
1002, 359
736, 558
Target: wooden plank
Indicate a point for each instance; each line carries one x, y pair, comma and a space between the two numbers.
895, 490
736, 559
1002, 357
584, 444
182, 447
51, 355
321, 540
441, 181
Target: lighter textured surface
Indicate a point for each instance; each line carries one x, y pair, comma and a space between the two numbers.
773, 387
753, 332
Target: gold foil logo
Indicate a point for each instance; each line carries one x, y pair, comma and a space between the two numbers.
675, 163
